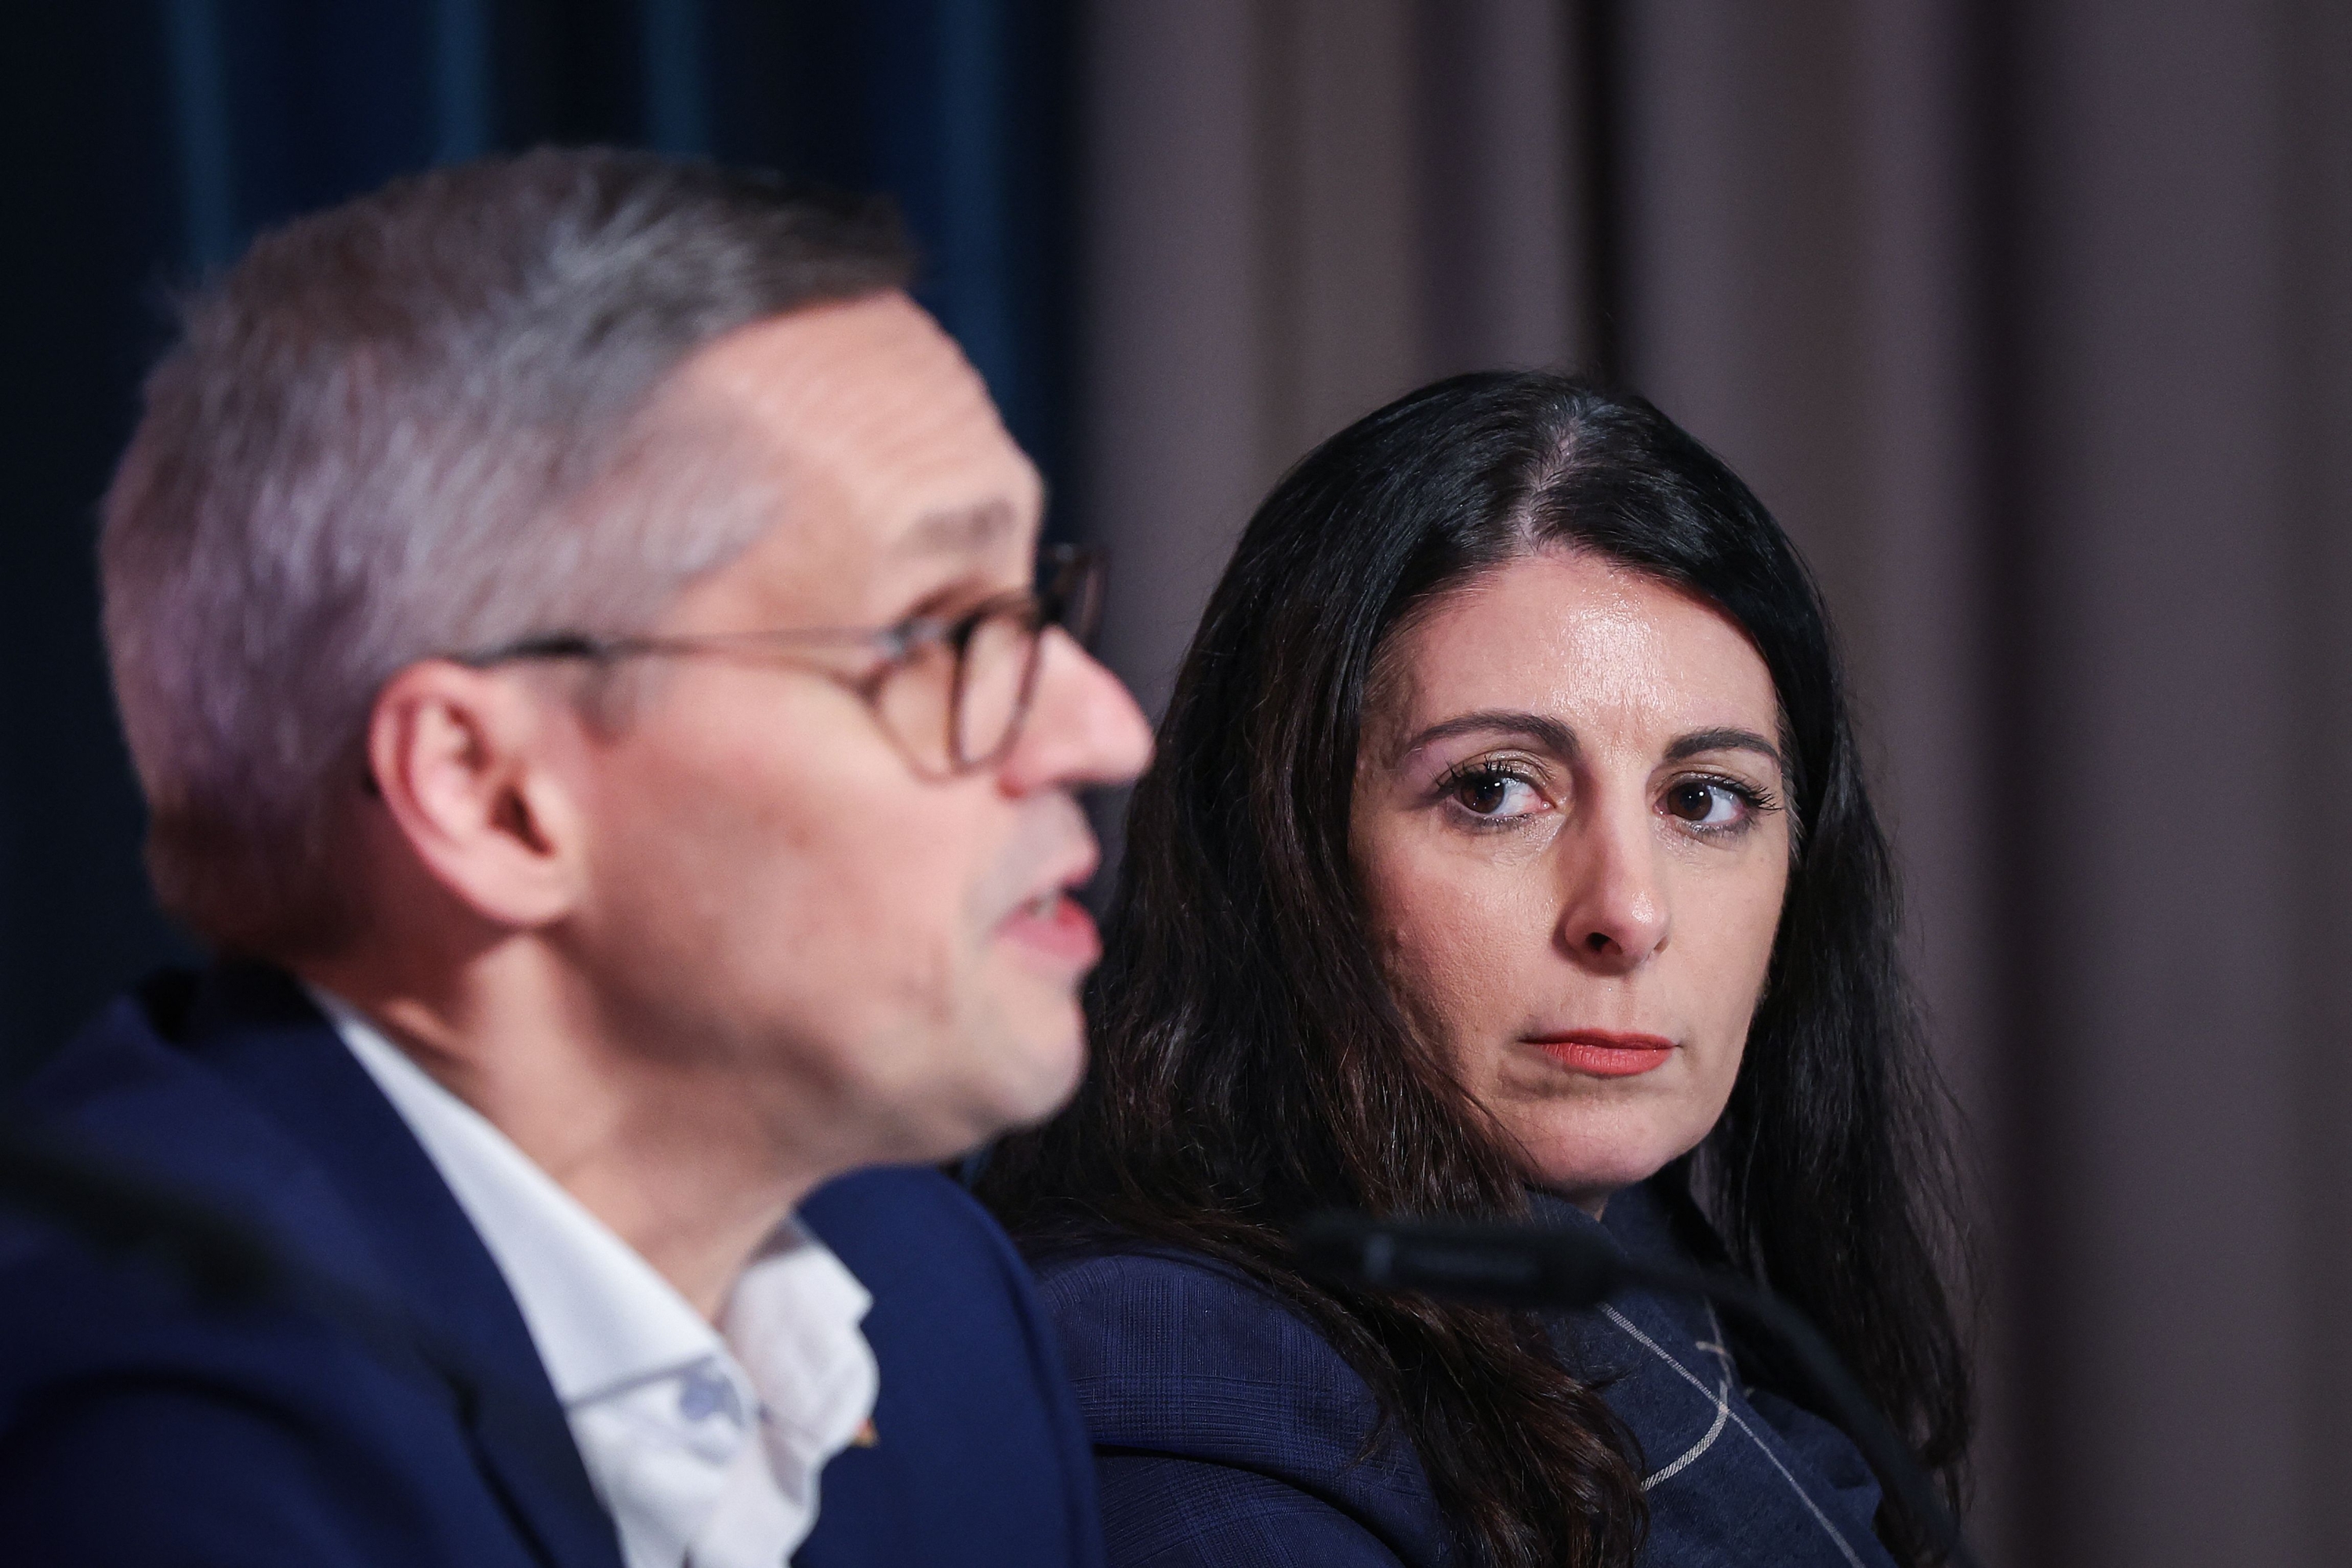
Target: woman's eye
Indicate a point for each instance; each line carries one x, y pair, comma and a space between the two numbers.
1495, 794
1705, 804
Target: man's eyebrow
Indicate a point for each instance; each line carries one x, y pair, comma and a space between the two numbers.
958, 530
1546, 732
1727, 740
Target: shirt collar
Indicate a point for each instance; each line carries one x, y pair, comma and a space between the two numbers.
631, 1359
601, 1315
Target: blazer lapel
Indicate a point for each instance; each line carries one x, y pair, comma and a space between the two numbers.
254, 1027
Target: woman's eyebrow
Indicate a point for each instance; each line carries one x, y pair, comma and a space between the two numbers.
1547, 734
1725, 739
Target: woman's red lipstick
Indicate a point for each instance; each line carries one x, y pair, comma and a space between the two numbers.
1604, 1054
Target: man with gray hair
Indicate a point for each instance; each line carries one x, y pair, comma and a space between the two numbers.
578, 626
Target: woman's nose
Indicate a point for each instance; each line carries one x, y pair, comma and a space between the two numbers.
1614, 918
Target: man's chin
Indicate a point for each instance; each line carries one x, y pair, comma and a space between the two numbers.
1024, 1082
1055, 1066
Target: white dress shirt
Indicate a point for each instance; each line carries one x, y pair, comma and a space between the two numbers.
704, 1444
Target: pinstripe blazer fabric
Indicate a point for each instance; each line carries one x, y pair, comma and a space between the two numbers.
1229, 1433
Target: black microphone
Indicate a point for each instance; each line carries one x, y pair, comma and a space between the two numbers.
1566, 1270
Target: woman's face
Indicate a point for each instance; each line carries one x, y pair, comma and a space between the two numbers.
1569, 830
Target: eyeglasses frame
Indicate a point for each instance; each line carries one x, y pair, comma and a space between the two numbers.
1070, 600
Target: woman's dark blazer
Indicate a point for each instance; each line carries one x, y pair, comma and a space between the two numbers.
1227, 1431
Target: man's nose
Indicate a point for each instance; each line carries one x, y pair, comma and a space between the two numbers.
1615, 917
1083, 727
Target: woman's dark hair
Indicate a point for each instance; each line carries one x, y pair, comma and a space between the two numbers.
1251, 1064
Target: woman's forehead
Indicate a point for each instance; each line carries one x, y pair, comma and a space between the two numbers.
1577, 634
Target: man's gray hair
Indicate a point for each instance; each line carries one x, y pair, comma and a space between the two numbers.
366, 449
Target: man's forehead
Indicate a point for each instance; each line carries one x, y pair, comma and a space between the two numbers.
980, 529
846, 374
869, 400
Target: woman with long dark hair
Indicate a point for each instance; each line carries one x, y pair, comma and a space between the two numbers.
1507, 854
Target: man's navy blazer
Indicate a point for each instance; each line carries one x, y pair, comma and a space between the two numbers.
387, 1407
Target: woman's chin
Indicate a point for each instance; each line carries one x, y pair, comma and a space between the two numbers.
1588, 1172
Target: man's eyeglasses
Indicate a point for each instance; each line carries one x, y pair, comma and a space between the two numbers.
950, 691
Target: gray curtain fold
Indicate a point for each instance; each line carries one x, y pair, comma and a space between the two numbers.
1293, 212
2031, 324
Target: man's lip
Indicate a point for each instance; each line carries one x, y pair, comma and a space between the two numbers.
1061, 931
1074, 875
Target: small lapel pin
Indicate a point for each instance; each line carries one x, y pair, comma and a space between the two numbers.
866, 1437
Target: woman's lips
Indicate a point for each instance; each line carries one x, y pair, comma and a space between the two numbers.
1603, 1054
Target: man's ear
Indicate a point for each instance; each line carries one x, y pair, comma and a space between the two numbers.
463, 761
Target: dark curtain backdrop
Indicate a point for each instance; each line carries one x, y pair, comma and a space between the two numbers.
2032, 320
146, 143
